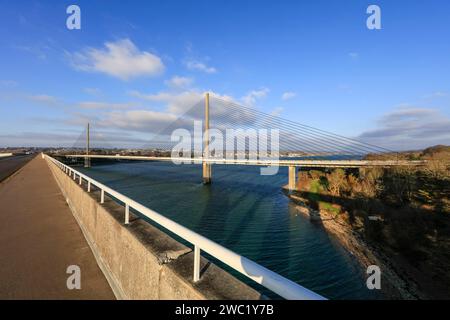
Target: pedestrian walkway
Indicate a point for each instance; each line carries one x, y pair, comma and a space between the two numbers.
40, 239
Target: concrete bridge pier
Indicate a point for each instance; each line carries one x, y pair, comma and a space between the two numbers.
206, 166
87, 160
362, 172
206, 173
292, 178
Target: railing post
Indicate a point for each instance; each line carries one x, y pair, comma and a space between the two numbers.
127, 213
80, 180
196, 263
102, 196
74, 175
89, 186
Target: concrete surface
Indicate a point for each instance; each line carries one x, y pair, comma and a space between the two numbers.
39, 239
139, 260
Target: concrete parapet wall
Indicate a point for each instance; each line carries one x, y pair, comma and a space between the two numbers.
139, 260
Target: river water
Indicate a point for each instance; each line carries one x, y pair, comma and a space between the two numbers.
247, 213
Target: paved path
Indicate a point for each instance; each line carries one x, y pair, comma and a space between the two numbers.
40, 238
9, 165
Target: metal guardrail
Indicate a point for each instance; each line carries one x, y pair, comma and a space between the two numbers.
267, 278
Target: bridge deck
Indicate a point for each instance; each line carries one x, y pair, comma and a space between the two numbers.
39, 239
282, 163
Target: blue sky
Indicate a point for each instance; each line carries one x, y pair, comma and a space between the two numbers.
133, 64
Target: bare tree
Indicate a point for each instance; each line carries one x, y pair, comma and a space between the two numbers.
336, 181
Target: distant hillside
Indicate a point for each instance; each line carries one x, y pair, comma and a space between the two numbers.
434, 152
439, 151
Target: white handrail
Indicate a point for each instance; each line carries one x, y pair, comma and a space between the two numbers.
269, 279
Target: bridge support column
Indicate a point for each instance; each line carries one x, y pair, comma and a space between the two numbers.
206, 173
87, 160
362, 172
292, 178
206, 166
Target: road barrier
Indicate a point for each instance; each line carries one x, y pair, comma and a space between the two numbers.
267, 278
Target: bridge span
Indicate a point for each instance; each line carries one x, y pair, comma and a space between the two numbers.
293, 165
295, 137
280, 163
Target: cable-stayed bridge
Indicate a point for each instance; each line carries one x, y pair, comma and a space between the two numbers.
218, 131
213, 132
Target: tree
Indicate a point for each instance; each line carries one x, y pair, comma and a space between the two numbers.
336, 181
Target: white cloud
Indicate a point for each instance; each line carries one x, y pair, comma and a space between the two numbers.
436, 94
191, 104
68, 106
344, 88
176, 103
39, 51
410, 128
92, 91
288, 95
45, 99
254, 95
99, 139
178, 82
120, 59
199, 66
94, 105
139, 120
8, 83
277, 111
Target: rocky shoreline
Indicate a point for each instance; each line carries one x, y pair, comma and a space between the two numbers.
395, 282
